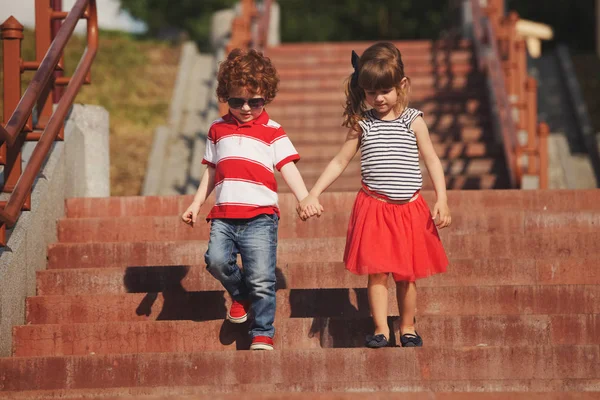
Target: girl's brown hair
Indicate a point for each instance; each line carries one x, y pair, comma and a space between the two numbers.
379, 67
250, 70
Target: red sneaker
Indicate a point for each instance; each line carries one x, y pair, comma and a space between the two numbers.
238, 312
262, 343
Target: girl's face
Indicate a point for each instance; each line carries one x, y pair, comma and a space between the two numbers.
385, 101
245, 113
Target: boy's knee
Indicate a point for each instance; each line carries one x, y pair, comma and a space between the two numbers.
216, 262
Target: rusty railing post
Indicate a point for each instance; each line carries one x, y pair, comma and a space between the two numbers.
55, 27
12, 35
43, 40
543, 132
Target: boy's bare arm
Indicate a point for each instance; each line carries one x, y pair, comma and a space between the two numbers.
207, 184
294, 180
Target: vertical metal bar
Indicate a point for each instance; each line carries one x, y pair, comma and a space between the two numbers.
12, 35
532, 128
543, 132
56, 23
43, 40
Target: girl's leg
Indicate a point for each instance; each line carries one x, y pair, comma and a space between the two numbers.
406, 293
378, 302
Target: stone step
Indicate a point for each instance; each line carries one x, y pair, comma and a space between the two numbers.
344, 48
299, 333
342, 72
453, 182
465, 166
281, 111
417, 83
461, 272
331, 223
328, 249
540, 200
566, 389
328, 60
179, 304
327, 97
338, 135
301, 367
437, 120
452, 150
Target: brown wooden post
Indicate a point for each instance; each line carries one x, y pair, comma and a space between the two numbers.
12, 35
533, 145
56, 24
543, 132
43, 39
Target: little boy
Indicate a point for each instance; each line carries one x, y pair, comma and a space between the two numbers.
242, 150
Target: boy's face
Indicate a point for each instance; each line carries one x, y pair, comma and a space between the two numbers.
245, 113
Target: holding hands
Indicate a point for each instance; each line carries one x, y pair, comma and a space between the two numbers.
309, 207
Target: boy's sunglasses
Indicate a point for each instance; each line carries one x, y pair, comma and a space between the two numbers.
236, 102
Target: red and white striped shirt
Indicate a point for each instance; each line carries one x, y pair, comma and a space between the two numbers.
244, 156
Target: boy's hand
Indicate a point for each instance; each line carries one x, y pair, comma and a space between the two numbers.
190, 215
309, 207
442, 211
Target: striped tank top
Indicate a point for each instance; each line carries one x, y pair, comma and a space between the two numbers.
390, 156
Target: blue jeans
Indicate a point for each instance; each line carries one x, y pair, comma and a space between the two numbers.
255, 239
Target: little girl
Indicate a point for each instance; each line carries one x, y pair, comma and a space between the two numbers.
391, 229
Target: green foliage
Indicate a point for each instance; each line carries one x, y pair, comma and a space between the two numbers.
348, 20
191, 16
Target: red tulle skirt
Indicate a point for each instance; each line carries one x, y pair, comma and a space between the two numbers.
400, 239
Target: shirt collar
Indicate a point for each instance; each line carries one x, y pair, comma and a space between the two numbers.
262, 119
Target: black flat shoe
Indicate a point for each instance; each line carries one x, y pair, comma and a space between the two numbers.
411, 340
376, 341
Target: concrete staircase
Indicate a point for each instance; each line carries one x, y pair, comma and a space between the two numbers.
125, 307
445, 86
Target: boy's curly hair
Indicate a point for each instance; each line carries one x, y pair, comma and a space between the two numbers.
250, 70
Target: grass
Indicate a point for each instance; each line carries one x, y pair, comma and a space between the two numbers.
133, 79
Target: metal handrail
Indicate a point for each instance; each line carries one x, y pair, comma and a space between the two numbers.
489, 61
9, 133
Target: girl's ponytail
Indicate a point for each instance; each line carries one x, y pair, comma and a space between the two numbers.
355, 97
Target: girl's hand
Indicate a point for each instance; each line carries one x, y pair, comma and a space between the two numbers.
309, 207
190, 215
442, 211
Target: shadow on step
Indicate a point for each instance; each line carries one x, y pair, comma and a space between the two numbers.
177, 302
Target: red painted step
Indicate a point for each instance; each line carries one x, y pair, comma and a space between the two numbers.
179, 304
530, 389
338, 59
293, 367
331, 223
540, 200
298, 333
417, 83
93, 255
281, 111
329, 48
328, 97
436, 120
461, 272
338, 135
342, 72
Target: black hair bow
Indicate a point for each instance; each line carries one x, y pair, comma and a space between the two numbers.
354, 61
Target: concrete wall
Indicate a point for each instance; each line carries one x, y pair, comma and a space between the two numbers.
81, 171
